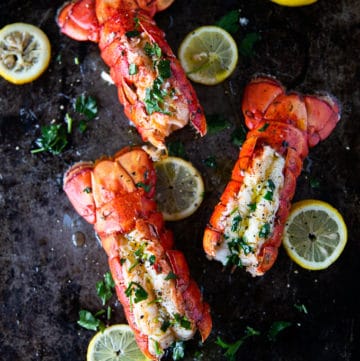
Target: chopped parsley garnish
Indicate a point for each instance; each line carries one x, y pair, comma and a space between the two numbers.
264, 230
138, 290
105, 288
210, 162
270, 192
165, 325
216, 123
239, 244
246, 46
264, 127
154, 98
88, 320
152, 259
178, 350
301, 308
144, 186
232, 348
230, 21
252, 207
133, 69
277, 327
86, 105
182, 321
235, 223
177, 149
53, 139
153, 50
164, 69
171, 276
132, 33
87, 190
238, 136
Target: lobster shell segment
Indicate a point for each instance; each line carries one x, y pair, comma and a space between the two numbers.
246, 226
152, 86
162, 303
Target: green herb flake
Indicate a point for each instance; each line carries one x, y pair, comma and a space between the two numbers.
314, 183
164, 69
152, 260
178, 350
246, 46
170, 276
230, 21
152, 50
210, 162
177, 149
165, 325
145, 187
264, 127
252, 207
133, 69
301, 308
53, 139
216, 123
264, 230
182, 321
105, 288
86, 105
69, 121
238, 136
235, 223
88, 320
87, 190
132, 34
232, 348
276, 328
138, 290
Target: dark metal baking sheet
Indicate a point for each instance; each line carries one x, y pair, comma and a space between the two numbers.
45, 280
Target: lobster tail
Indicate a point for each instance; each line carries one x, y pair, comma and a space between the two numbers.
161, 301
246, 226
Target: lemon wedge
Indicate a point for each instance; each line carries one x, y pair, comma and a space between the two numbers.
24, 52
209, 55
315, 234
179, 188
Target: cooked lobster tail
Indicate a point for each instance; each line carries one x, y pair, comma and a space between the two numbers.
246, 226
152, 86
162, 303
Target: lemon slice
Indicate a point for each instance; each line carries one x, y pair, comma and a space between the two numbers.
24, 52
115, 343
294, 2
179, 188
208, 55
315, 234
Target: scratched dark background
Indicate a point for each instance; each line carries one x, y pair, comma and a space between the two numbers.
45, 279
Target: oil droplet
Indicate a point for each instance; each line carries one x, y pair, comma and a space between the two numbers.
78, 239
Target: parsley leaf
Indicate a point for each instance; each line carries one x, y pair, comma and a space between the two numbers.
88, 320
238, 136
105, 288
178, 350
53, 139
137, 289
277, 327
232, 348
216, 123
246, 47
86, 105
230, 21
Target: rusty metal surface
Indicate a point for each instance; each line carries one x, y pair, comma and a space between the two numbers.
45, 279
